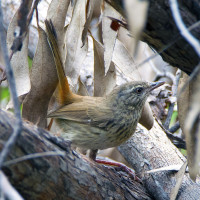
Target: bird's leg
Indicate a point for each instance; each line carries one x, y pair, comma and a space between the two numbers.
118, 166
50, 125
93, 154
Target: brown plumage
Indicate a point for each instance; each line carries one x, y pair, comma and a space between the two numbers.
103, 122
97, 122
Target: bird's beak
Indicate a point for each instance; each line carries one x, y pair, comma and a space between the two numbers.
155, 85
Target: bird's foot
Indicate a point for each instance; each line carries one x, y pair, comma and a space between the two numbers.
120, 167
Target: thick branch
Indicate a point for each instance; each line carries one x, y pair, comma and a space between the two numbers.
161, 30
75, 177
68, 177
152, 150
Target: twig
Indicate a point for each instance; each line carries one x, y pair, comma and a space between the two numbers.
183, 29
7, 189
174, 128
178, 142
10, 77
23, 21
174, 92
30, 15
33, 156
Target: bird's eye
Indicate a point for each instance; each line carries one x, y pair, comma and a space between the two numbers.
139, 90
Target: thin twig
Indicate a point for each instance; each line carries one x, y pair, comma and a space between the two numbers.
10, 77
174, 92
33, 156
24, 19
30, 15
7, 189
175, 127
177, 141
183, 29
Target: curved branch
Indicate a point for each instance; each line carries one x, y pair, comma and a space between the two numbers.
71, 176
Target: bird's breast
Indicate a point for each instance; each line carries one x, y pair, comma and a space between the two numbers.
121, 128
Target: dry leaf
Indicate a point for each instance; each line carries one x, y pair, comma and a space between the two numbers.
89, 10
179, 179
183, 100
136, 13
82, 90
108, 34
43, 83
124, 61
19, 60
75, 52
146, 118
183, 103
57, 12
191, 127
87, 69
103, 84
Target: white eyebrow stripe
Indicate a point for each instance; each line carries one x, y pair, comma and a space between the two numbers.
131, 89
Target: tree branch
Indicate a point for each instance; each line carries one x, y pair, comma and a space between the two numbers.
162, 34
183, 30
73, 176
70, 176
148, 150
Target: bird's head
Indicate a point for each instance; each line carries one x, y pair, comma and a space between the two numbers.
134, 94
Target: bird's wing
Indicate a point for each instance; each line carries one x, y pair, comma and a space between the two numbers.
89, 110
74, 112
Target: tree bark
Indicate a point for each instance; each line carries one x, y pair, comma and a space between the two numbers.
72, 176
161, 31
151, 150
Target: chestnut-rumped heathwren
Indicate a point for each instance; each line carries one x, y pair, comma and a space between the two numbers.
97, 122
103, 122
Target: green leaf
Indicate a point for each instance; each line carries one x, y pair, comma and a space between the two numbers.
4, 93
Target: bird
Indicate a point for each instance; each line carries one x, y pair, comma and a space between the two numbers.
104, 122
97, 122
